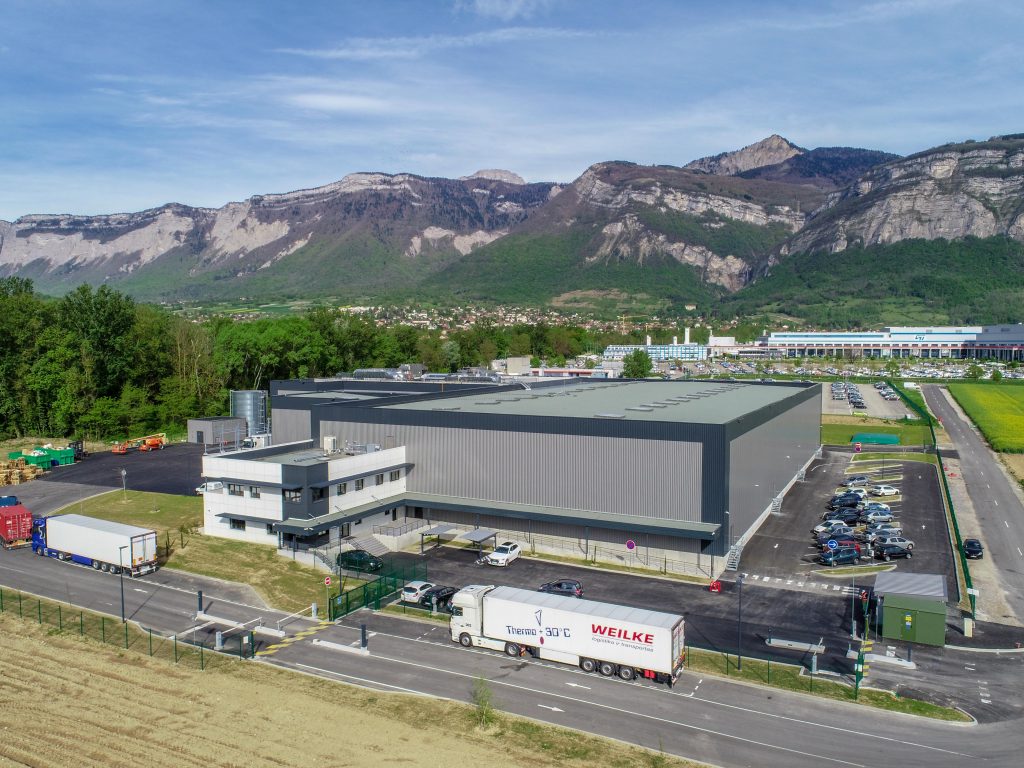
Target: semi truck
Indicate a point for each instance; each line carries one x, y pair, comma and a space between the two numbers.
100, 544
597, 637
15, 526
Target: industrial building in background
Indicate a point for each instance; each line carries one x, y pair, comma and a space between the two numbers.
248, 426
677, 473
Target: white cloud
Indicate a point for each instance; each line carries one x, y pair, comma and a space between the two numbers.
506, 10
342, 102
375, 48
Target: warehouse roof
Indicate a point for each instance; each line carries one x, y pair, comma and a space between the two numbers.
706, 402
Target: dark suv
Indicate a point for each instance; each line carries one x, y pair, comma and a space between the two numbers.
839, 556
359, 560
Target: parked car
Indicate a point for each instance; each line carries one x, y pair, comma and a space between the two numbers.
857, 480
413, 591
882, 530
884, 541
888, 552
843, 540
844, 500
836, 530
504, 554
441, 596
839, 556
847, 515
973, 549
883, 490
876, 516
829, 525
569, 587
359, 560
873, 506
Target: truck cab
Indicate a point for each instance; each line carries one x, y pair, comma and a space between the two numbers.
467, 614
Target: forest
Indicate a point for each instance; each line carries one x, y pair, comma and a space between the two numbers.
96, 364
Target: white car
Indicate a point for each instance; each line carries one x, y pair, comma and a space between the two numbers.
504, 554
829, 525
883, 490
413, 591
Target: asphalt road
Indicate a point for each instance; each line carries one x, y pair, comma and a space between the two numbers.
701, 718
998, 510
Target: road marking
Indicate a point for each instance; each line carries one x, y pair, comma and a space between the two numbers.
995, 502
553, 709
143, 591
1019, 552
1006, 524
577, 685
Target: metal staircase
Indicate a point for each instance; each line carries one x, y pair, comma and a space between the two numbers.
370, 543
732, 560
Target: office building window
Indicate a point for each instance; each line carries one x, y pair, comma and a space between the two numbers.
380, 479
254, 491
270, 529
317, 493
234, 490
342, 489
359, 484
396, 474
238, 525
293, 496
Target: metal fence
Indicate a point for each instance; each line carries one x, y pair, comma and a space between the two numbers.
374, 593
192, 652
638, 559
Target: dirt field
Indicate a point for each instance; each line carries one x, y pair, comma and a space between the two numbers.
67, 701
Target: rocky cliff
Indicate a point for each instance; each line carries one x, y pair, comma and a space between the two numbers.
974, 189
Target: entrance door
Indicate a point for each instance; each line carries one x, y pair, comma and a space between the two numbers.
199, 436
346, 530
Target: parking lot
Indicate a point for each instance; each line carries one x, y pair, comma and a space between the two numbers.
783, 553
176, 469
874, 404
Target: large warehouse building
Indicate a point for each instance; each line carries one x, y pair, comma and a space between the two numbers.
678, 470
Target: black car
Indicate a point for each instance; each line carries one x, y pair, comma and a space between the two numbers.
844, 500
359, 560
848, 515
973, 549
569, 587
439, 596
889, 551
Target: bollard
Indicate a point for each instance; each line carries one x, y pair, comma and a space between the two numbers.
199, 608
313, 611
363, 640
218, 643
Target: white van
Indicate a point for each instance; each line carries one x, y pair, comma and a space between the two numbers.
210, 486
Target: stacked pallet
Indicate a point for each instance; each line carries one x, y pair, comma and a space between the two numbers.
17, 471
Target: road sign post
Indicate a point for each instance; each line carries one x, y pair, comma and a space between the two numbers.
327, 590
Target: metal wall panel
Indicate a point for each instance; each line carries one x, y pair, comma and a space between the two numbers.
291, 425
763, 460
646, 478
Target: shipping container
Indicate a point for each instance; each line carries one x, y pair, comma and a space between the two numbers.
15, 526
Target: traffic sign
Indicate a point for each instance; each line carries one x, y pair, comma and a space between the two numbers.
327, 581
832, 544
630, 544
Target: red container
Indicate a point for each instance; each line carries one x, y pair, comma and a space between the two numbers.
15, 526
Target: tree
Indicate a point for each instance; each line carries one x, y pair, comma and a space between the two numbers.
997, 375
637, 365
974, 371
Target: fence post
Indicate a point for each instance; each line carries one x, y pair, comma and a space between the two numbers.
60, 619
126, 634
39, 610
1, 601
175, 649
21, 613
103, 628
202, 664
150, 642
81, 623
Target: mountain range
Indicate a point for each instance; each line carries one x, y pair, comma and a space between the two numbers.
712, 233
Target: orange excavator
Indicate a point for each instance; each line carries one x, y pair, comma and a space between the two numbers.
147, 443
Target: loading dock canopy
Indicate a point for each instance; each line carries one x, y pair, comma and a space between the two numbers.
437, 530
479, 536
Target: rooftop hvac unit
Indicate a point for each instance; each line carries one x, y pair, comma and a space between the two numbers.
330, 444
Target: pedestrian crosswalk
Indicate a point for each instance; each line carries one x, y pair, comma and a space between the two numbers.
801, 582
272, 649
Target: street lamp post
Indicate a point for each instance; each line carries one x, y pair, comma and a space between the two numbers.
124, 483
739, 623
120, 575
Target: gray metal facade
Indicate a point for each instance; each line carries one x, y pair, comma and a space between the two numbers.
582, 467
763, 460
217, 430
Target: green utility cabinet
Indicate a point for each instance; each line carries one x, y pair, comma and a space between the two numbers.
914, 619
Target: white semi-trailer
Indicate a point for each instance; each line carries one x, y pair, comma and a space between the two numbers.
603, 637
101, 544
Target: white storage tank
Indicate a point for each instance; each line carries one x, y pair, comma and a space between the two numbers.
251, 405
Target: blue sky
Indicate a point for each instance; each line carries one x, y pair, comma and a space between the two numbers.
119, 106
